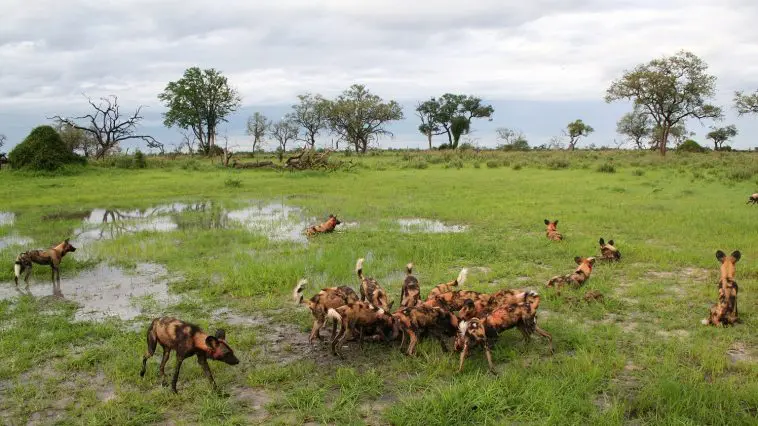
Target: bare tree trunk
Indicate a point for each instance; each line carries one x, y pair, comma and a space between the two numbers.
429, 137
663, 142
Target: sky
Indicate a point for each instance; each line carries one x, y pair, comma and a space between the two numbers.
540, 64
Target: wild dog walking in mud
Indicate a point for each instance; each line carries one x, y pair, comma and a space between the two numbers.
186, 340
609, 251
370, 290
410, 295
52, 256
449, 286
355, 317
725, 311
753, 199
552, 231
321, 302
578, 278
419, 320
325, 227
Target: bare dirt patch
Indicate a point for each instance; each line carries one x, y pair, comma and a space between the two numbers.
684, 274
739, 352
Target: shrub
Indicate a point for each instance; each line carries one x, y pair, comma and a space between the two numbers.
443, 147
517, 166
638, 172
139, 160
232, 183
606, 168
457, 163
558, 163
477, 165
417, 163
493, 164
690, 146
43, 149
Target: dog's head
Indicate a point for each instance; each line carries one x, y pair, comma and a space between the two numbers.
728, 262
551, 226
67, 247
585, 264
333, 218
219, 349
609, 249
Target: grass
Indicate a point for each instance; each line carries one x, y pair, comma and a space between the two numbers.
639, 356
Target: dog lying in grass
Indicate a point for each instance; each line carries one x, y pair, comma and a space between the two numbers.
325, 227
321, 302
370, 289
186, 340
52, 256
577, 278
552, 231
725, 311
609, 251
356, 317
410, 295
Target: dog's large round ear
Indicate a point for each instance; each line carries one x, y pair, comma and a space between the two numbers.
547, 222
211, 342
578, 260
602, 242
555, 223
66, 241
389, 307
736, 255
591, 260
610, 242
221, 334
720, 255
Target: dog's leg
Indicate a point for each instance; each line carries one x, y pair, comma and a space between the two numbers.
207, 370
164, 360
488, 354
317, 323
546, 335
413, 339
464, 354
26, 276
151, 343
179, 360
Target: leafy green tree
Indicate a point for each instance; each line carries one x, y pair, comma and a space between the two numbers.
670, 90
284, 131
200, 101
310, 115
513, 140
257, 127
42, 149
77, 139
447, 113
719, 135
636, 126
428, 112
575, 131
746, 104
359, 117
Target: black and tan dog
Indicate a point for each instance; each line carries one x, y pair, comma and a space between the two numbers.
186, 340
321, 302
52, 256
552, 231
471, 334
410, 295
370, 289
325, 227
609, 251
355, 317
419, 320
753, 199
449, 286
578, 278
725, 311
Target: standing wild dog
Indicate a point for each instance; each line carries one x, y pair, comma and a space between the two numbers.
448, 287
410, 295
325, 227
579, 277
725, 311
186, 340
471, 334
51, 256
753, 199
552, 230
422, 319
321, 302
354, 317
371, 290
609, 251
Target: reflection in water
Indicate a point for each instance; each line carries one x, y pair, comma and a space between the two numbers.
7, 218
276, 221
428, 225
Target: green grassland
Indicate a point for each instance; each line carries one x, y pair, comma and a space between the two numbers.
640, 356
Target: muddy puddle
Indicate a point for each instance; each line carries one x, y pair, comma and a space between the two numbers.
106, 291
277, 221
15, 241
7, 218
429, 226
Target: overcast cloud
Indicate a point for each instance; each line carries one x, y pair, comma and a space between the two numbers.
541, 64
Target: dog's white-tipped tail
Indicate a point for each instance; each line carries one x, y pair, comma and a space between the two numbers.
462, 327
297, 293
461, 277
333, 314
359, 267
704, 321
17, 269
409, 268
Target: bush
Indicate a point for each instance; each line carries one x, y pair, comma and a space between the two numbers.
606, 168
690, 146
558, 163
139, 160
493, 164
443, 147
638, 172
44, 150
232, 183
457, 163
517, 166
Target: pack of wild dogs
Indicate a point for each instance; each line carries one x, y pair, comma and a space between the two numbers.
471, 318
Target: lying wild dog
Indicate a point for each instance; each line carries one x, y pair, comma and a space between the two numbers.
448, 287
579, 277
471, 334
725, 311
52, 256
552, 230
593, 296
355, 317
609, 251
371, 291
187, 340
410, 295
753, 199
422, 319
325, 227
321, 302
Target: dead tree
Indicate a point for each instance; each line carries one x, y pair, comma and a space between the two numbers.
108, 127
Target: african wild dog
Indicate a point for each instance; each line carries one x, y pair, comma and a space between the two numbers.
187, 340
471, 334
52, 256
410, 295
321, 302
355, 317
725, 311
325, 227
371, 290
579, 277
448, 287
753, 199
422, 319
609, 251
552, 231
454, 300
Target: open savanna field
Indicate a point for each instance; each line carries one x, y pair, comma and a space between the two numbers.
224, 248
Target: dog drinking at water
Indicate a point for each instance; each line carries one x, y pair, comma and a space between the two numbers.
52, 256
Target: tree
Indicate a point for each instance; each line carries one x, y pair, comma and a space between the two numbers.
77, 140
284, 131
3, 138
199, 101
721, 134
636, 126
257, 127
670, 90
310, 115
746, 104
428, 112
513, 140
446, 110
678, 133
42, 149
107, 126
576, 130
359, 117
